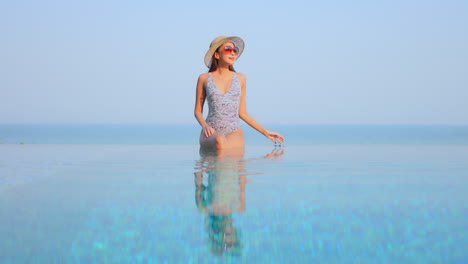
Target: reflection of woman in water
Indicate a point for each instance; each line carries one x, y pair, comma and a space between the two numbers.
220, 197
225, 91
220, 192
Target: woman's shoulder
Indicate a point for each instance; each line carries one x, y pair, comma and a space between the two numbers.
241, 76
203, 78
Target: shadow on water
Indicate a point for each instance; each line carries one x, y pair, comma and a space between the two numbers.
220, 186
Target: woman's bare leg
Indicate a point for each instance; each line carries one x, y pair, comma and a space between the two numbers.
236, 139
218, 141
214, 142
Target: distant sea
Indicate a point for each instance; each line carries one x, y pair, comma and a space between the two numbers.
188, 134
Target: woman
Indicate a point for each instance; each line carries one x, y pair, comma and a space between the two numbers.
225, 91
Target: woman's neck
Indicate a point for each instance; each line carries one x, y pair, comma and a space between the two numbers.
223, 70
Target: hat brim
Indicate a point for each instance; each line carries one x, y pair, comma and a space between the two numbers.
238, 42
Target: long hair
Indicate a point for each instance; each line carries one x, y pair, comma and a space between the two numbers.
215, 64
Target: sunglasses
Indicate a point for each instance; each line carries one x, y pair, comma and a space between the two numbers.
229, 49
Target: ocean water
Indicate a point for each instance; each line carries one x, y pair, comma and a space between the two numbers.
163, 134
143, 194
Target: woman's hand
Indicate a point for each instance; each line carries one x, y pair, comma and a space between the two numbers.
276, 137
208, 131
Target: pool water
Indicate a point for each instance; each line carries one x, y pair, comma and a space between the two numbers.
296, 204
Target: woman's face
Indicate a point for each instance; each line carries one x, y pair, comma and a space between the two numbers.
227, 53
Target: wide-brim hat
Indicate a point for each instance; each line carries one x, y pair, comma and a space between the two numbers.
217, 42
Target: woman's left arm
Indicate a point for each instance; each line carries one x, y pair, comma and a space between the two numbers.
244, 115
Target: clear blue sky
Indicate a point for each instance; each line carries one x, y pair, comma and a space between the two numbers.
307, 62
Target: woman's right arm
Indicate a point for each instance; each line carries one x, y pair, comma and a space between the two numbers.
199, 102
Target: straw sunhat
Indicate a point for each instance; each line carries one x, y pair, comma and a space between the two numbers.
238, 42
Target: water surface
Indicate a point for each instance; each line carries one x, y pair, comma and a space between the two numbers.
300, 204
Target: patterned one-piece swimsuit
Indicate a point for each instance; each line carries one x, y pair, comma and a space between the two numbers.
223, 113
